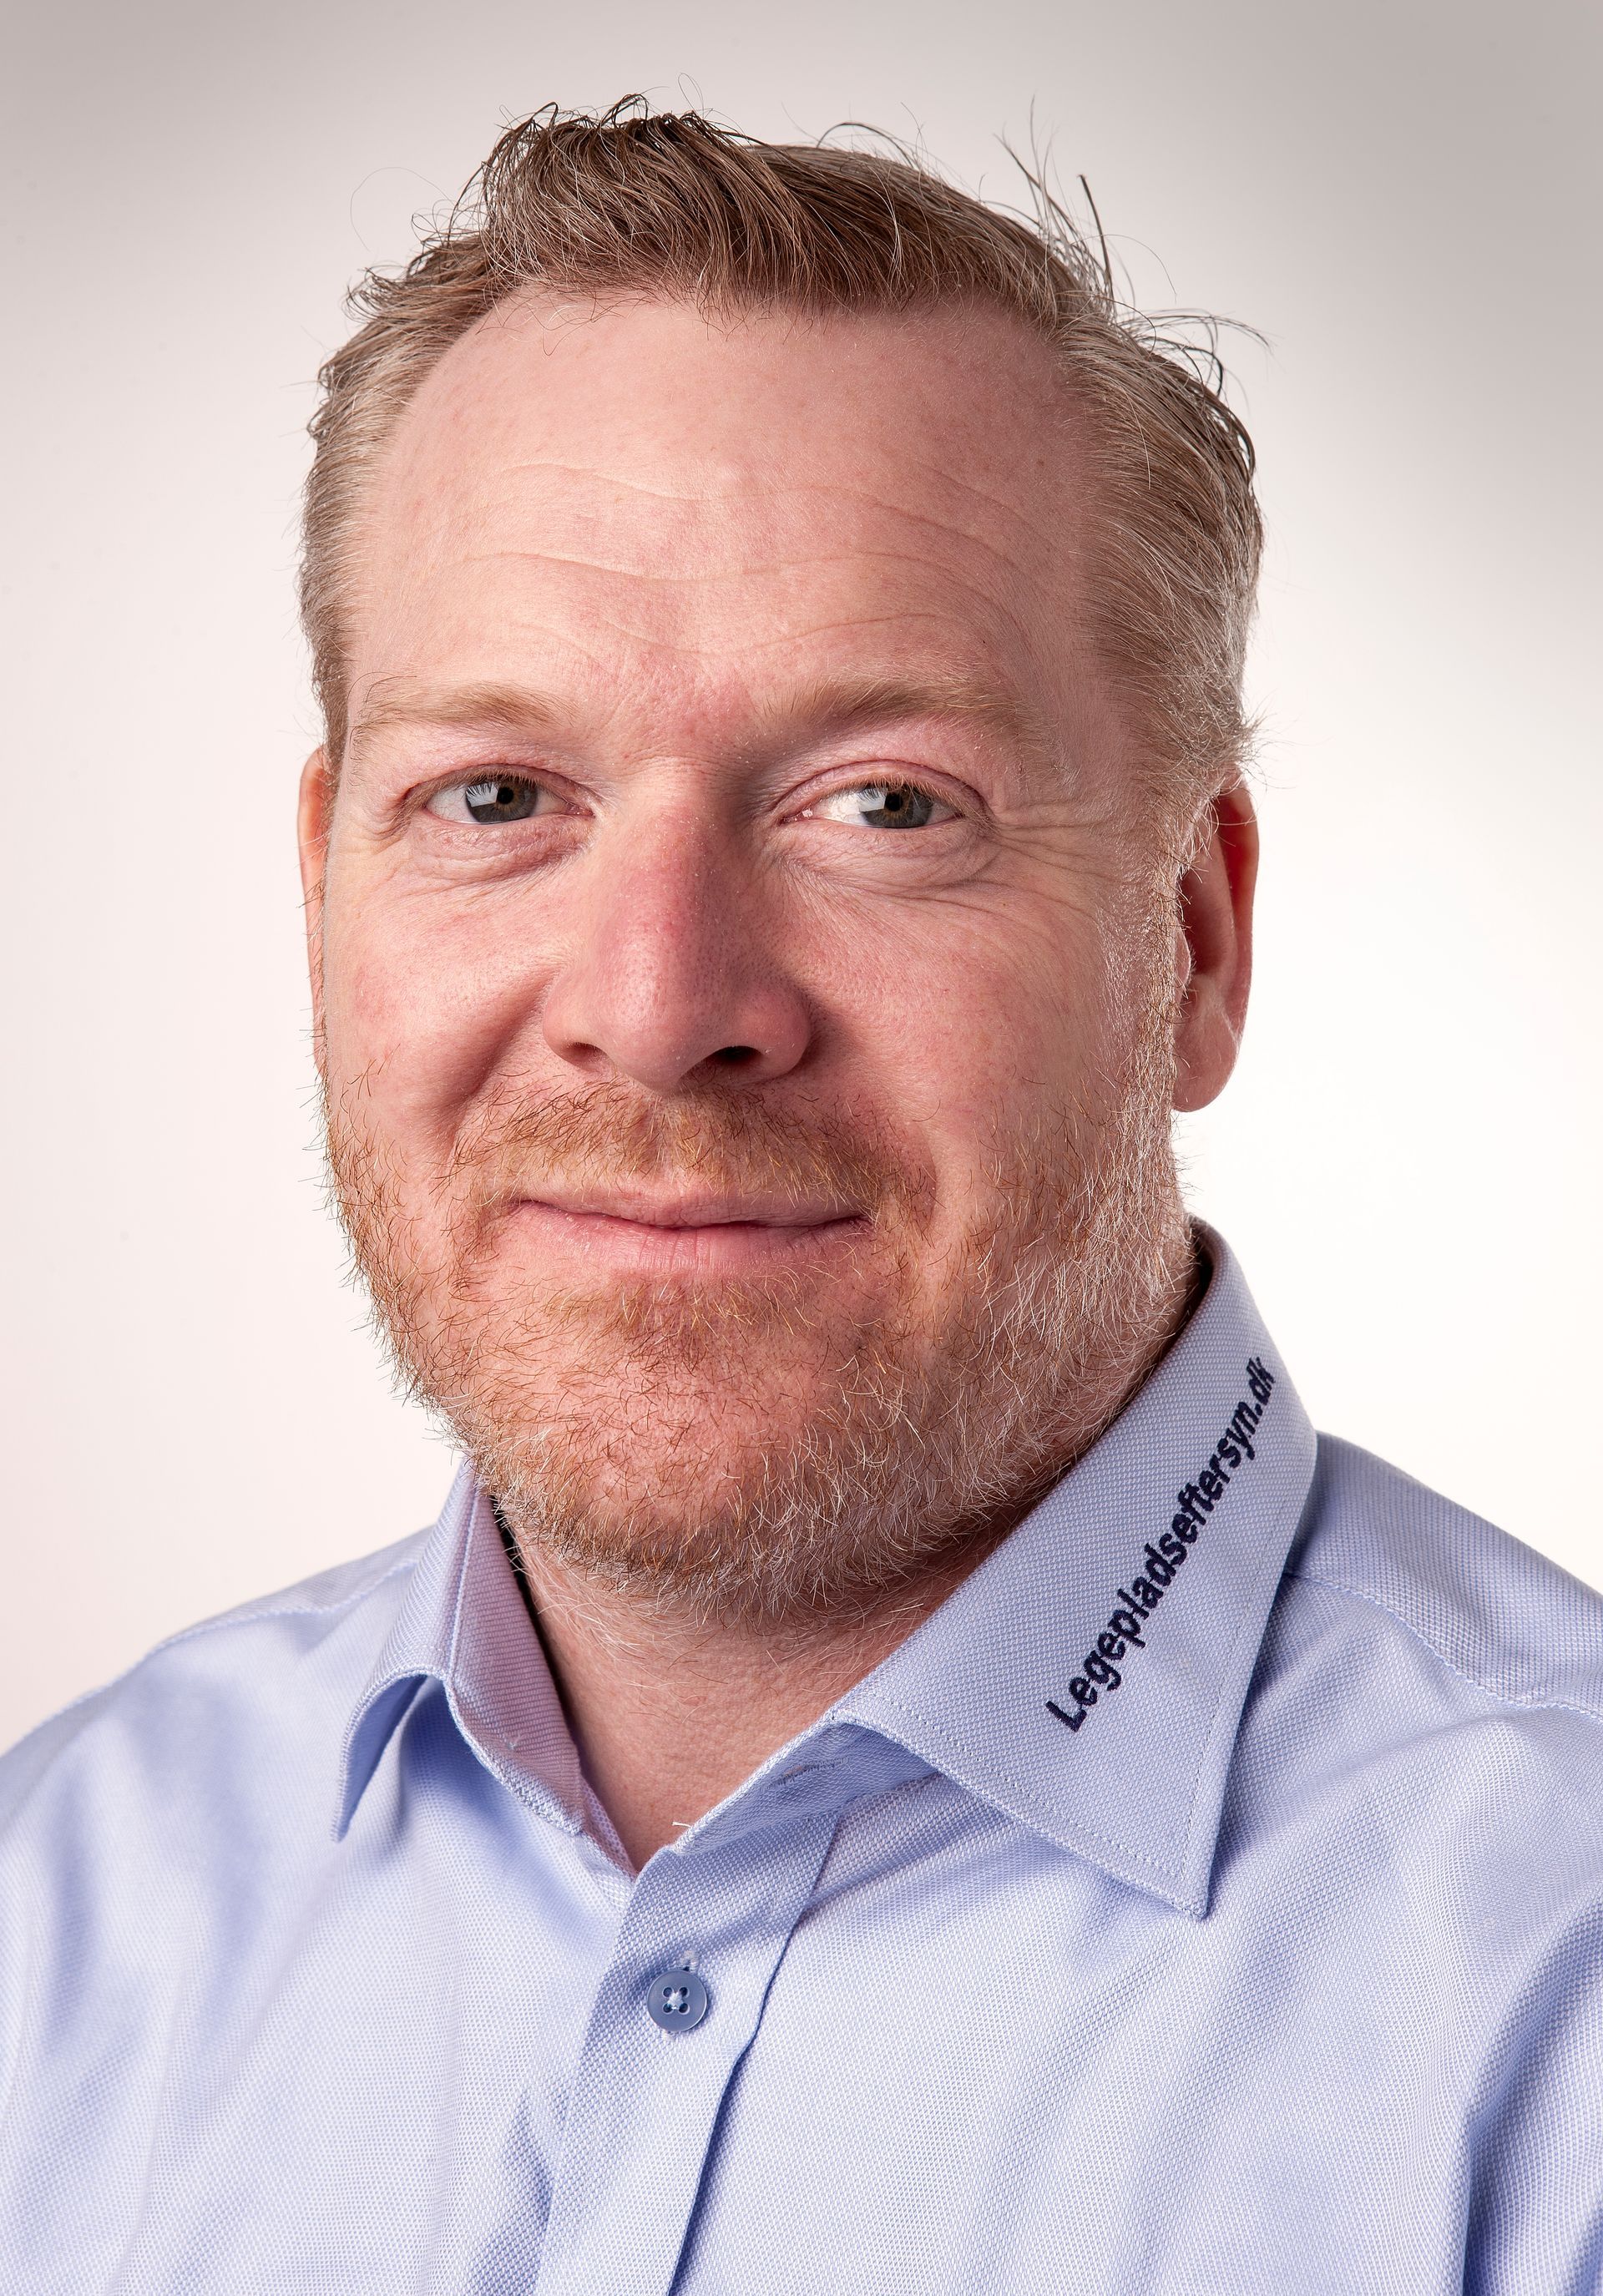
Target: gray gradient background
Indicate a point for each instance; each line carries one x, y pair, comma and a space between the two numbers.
1403, 198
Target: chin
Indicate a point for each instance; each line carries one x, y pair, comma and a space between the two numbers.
767, 1526
766, 1484
653, 1354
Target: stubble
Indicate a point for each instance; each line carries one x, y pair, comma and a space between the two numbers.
775, 1449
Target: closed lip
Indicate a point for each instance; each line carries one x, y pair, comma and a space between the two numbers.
688, 1211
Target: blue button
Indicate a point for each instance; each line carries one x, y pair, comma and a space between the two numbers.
677, 1999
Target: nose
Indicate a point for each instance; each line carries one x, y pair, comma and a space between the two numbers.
675, 974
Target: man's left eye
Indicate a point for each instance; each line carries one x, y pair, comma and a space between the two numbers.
882, 805
497, 798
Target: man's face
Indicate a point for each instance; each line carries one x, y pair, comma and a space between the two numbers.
745, 1004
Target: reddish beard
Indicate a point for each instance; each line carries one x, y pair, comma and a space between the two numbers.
777, 1446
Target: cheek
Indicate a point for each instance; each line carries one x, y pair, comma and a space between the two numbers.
420, 1007
992, 1023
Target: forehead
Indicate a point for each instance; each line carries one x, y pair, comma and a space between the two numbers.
701, 502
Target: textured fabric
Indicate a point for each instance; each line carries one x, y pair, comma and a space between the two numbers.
1206, 1901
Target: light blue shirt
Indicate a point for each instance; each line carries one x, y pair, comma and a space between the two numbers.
1209, 1898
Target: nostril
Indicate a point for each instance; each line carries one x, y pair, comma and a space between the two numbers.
735, 1056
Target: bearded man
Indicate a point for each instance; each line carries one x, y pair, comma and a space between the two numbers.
903, 1765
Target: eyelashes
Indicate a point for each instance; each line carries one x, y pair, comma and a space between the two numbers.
882, 805
494, 800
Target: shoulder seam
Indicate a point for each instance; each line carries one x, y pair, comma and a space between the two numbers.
1474, 1681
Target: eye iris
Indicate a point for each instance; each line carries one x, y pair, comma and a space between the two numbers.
897, 807
501, 799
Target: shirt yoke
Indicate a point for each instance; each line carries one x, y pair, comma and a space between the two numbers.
1502, 1617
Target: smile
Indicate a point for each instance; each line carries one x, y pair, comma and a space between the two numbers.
691, 1236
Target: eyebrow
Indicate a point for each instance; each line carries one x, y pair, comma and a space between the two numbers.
400, 703
962, 697
819, 705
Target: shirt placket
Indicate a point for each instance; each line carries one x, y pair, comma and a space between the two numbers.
646, 2099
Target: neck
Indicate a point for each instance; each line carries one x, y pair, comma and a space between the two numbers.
671, 1712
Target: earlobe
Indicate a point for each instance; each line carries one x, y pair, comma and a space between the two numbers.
1215, 924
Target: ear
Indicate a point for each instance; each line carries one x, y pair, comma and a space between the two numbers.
1212, 948
312, 825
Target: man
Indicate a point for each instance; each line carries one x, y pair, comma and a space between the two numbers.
903, 1765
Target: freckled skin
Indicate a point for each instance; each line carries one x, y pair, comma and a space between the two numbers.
786, 502
679, 535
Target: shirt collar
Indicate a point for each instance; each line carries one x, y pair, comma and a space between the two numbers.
464, 1624
1175, 1524
1202, 1477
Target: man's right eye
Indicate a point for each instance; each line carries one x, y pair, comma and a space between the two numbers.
497, 798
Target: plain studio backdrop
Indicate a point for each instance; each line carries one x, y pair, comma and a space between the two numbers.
1403, 198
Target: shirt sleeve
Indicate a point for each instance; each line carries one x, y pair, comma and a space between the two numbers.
1535, 2218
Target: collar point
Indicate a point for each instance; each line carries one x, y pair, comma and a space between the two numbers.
372, 1728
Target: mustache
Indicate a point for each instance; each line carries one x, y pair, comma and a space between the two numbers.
797, 1150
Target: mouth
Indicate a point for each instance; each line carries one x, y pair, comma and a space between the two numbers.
692, 1234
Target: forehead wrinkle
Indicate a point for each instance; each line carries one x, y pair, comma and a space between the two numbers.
719, 483
697, 577
923, 517
995, 506
905, 618
722, 492
611, 478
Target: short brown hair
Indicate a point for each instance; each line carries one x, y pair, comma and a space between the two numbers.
630, 202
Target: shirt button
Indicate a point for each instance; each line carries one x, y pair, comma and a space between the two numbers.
677, 1999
